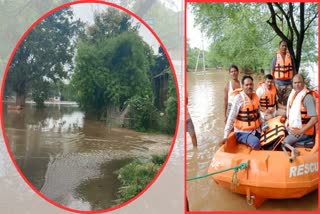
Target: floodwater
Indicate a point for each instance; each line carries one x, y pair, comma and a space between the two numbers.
71, 159
205, 93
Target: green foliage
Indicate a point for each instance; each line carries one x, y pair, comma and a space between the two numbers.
114, 68
40, 92
15, 17
237, 37
108, 24
309, 50
159, 75
112, 71
112, 63
161, 62
241, 35
171, 107
143, 112
291, 22
192, 54
159, 159
137, 175
67, 92
306, 78
45, 54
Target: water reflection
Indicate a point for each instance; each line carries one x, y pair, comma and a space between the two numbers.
100, 191
72, 159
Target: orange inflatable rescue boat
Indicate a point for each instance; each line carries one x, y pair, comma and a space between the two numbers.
274, 172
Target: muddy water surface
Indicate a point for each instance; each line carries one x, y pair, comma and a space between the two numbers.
205, 91
73, 160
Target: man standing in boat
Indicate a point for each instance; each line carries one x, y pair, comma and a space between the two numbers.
230, 86
301, 112
244, 116
282, 69
267, 94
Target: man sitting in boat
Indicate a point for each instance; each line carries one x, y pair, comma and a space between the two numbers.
301, 113
244, 115
267, 97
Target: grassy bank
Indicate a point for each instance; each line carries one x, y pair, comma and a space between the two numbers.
135, 176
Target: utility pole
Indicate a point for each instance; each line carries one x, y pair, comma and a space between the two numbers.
203, 56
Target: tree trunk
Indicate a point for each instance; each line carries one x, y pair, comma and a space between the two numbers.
20, 99
296, 29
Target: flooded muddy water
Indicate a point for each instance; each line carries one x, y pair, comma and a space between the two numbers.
71, 159
205, 92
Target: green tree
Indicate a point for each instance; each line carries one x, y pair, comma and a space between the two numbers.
241, 33
108, 24
143, 112
161, 62
67, 92
16, 16
40, 91
298, 19
192, 55
45, 55
158, 75
112, 65
171, 106
236, 37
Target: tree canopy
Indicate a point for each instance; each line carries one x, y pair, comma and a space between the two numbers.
115, 70
241, 33
112, 63
45, 55
110, 72
298, 20
15, 17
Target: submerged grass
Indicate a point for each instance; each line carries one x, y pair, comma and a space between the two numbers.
135, 176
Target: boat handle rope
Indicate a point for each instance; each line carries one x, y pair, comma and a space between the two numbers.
241, 166
234, 177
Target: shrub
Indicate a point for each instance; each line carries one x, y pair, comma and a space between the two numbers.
137, 175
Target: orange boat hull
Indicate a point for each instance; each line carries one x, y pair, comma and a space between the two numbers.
269, 175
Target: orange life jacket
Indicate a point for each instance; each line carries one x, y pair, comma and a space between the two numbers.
275, 130
303, 110
248, 116
283, 69
268, 99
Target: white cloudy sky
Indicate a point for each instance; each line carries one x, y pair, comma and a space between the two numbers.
194, 34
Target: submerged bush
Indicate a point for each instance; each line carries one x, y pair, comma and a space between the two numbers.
159, 159
137, 175
171, 105
142, 112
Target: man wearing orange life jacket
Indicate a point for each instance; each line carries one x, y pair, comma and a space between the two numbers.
301, 113
244, 116
267, 97
282, 69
